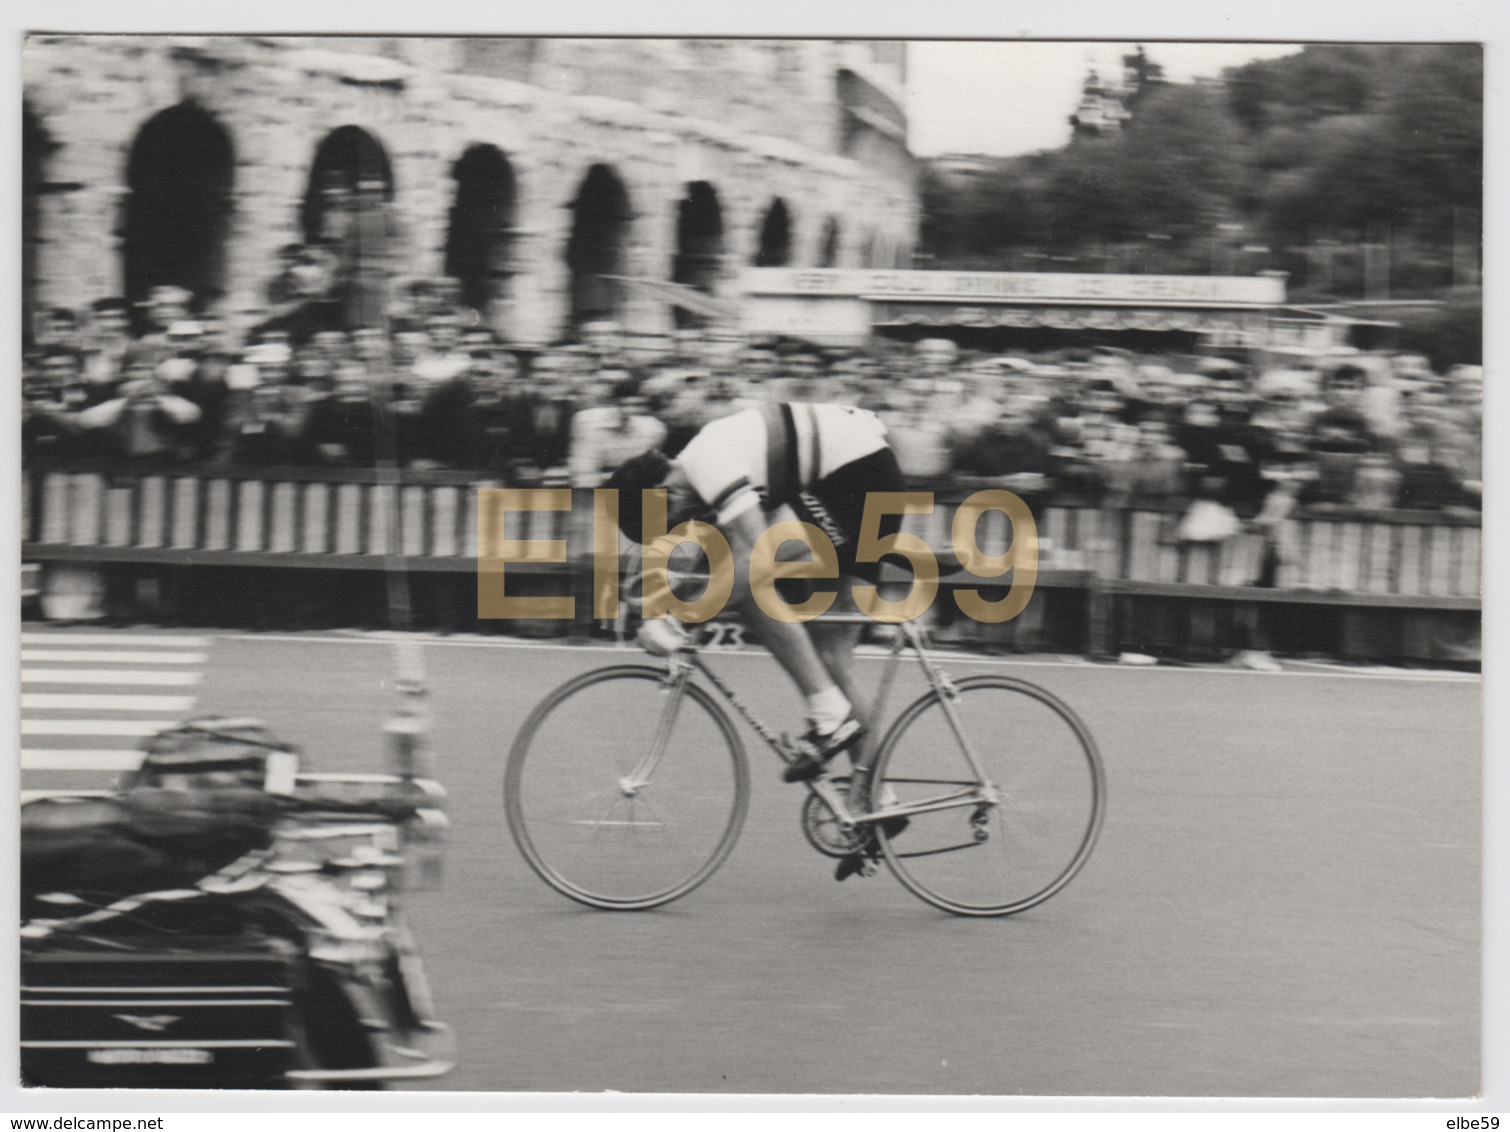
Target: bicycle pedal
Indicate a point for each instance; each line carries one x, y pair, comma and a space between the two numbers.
804, 768
856, 864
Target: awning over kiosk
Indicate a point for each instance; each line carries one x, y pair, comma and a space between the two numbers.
839, 306
1060, 318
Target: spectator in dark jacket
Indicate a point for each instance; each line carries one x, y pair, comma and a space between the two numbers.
1010, 451
347, 426
475, 420
1223, 457
52, 396
147, 421
1427, 484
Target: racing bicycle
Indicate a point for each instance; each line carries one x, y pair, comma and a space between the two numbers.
627, 787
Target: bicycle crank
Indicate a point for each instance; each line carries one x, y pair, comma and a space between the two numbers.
821, 827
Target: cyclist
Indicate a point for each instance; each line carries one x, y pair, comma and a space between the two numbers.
820, 461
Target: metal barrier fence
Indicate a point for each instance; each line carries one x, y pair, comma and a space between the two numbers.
339, 519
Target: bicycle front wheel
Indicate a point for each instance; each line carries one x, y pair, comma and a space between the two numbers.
626, 790
1004, 839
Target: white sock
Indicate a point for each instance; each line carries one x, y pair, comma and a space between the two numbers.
827, 709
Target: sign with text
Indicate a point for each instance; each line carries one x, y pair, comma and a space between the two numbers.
1019, 287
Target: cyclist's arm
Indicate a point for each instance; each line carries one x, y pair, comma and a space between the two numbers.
742, 530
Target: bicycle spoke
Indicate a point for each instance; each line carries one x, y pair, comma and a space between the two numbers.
655, 814
1034, 817
667, 823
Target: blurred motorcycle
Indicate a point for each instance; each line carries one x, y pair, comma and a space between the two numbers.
224, 920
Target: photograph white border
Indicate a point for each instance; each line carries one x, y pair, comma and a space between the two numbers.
1275, 21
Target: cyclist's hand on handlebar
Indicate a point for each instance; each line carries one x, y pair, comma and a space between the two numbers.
663, 637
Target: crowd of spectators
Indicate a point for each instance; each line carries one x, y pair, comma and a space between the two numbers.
433, 388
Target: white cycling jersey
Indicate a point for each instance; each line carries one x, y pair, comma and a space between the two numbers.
729, 463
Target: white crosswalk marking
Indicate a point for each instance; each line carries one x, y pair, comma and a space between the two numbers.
101, 701
139, 727
124, 640
80, 760
92, 730
105, 656
104, 676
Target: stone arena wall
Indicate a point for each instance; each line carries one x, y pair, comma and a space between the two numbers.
276, 101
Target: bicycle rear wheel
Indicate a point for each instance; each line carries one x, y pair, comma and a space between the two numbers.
1000, 847
624, 791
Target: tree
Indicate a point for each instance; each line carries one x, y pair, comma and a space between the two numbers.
1348, 143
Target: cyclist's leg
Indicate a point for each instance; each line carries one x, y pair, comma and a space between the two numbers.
835, 643
836, 505
831, 717
796, 651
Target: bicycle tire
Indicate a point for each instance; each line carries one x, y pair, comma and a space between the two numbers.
1053, 788
598, 722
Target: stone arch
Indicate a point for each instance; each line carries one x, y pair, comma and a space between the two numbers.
481, 229
348, 209
698, 261
179, 177
597, 247
344, 158
774, 246
828, 243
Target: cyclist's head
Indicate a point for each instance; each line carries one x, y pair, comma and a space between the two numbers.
649, 469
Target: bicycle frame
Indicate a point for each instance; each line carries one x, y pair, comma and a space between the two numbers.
682, 666
919, 784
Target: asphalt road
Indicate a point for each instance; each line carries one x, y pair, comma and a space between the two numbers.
1285, 901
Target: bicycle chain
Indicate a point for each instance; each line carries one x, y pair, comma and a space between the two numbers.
821, 828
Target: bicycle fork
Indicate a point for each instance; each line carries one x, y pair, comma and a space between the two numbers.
673, 684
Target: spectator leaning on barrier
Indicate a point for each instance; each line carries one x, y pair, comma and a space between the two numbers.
146, 421
1154, 465
1340, 435
1083, 426
269, 429
1426, 482
477, 420
197, 372
919, 435
1224, 480
1010, 452
547, 413
606, 434
1376, 482
345, 427
52, 396
267, 414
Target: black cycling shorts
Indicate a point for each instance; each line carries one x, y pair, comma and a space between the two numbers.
836, 506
